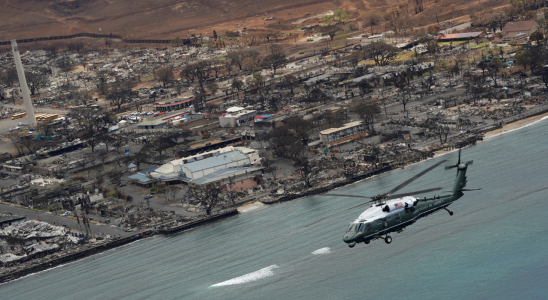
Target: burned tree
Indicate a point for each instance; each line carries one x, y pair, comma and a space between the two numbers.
382, 53
306, 169
206, 196
300, 128
275, 59
366, 110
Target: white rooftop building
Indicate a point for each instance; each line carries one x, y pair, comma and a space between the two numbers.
235, 116
194, 167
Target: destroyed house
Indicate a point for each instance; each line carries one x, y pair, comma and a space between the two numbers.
7, 219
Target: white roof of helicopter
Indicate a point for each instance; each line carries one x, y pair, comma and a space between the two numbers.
375, 212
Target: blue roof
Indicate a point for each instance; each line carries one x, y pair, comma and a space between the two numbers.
131, 165
218, 160
149, 170
140, 177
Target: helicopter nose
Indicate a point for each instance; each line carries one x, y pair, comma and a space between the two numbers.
349, 237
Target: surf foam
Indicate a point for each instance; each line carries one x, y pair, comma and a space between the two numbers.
253, 276
322, 251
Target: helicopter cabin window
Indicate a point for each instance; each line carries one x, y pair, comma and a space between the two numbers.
379, 222
367, 227
389, 217
397, 216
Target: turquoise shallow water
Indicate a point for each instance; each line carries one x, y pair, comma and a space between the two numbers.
495, 246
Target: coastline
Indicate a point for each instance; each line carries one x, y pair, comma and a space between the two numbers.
506, 128
243, 207
519, 124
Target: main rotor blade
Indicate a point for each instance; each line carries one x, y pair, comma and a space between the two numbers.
337, 213
343, 195
390, 197
408, 181
413, 193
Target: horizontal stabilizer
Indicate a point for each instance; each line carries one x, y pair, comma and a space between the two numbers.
469, 190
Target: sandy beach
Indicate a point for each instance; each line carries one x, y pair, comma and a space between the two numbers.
249, 206
505, 129
515, 125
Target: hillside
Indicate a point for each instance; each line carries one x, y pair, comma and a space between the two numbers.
143, 18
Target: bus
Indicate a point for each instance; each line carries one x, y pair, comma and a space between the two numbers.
46, 117
19, 115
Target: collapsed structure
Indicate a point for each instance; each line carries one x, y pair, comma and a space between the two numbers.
31, 239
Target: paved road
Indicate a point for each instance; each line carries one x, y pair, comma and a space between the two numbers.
59, 220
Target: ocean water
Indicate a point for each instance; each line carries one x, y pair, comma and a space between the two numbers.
495, 246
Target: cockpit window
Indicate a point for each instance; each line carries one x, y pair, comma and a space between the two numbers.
352, 227
360, 228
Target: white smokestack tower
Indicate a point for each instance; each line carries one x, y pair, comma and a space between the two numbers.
29, 109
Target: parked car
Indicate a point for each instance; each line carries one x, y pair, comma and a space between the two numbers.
122, 184
67, 213
148, 196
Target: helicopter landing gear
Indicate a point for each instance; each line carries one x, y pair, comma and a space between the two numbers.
366, 242
388, 239
450, 212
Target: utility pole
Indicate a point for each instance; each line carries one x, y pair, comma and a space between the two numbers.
29, 109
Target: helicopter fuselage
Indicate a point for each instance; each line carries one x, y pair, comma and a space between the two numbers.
374, 222
394, 215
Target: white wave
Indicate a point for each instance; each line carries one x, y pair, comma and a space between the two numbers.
253, 276
508, 131
325, 250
